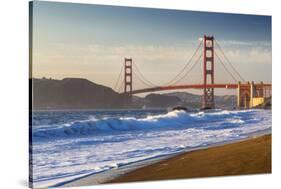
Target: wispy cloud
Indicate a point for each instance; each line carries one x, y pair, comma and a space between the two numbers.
94, 61
256, 52
252, 54
235, 43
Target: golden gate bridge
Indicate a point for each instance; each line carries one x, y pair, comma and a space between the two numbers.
249, 94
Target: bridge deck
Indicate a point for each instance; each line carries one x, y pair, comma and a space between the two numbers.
198, 86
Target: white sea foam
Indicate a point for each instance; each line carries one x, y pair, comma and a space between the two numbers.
77, 148
174, 119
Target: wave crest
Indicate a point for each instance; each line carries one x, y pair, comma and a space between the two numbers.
174, 119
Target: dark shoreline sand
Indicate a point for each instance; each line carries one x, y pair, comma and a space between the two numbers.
249, 156
252, 156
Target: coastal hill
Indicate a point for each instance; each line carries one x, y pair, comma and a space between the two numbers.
73, 93
77, 93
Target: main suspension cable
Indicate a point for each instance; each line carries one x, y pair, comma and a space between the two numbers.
190, 69
121, 85
225, 67
186, 65
144, 82
229, 61
143, 78
119, 76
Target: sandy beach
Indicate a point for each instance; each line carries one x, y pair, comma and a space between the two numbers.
252, 156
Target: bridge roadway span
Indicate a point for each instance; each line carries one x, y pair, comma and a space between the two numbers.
198, 86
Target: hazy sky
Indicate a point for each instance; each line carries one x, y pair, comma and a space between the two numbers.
91, 41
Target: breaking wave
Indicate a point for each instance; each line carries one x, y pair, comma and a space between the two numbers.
70, 145
170, 120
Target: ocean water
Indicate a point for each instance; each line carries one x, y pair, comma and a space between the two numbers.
72, 144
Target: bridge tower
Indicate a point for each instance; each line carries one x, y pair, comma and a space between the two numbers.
208, 72
128, 80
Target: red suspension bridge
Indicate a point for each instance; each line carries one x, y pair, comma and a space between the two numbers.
249, 94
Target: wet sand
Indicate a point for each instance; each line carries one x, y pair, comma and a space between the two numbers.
252, 156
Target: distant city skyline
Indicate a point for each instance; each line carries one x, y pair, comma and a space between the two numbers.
91, 41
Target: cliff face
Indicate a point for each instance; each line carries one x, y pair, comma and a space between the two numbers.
74, 93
